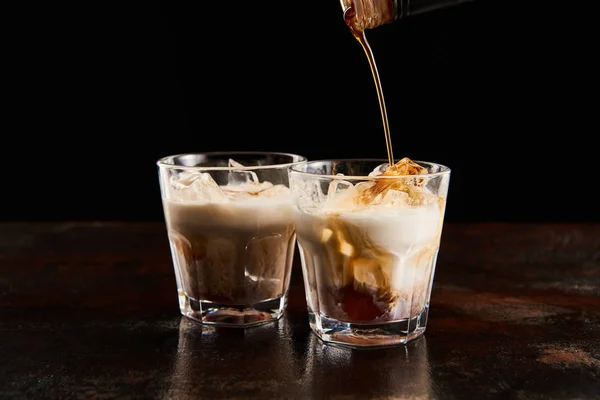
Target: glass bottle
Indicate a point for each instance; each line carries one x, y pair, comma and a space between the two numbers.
370, 14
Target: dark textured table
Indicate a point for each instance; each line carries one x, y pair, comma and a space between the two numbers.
89, 310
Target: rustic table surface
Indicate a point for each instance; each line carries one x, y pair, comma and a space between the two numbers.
89, 310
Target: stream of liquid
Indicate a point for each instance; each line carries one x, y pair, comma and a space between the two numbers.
359, 34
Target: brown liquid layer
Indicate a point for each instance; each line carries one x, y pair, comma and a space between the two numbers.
232, 255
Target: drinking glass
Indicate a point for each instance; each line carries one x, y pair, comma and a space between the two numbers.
368, 246
229, 220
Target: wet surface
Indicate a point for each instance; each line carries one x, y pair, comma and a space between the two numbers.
90, 311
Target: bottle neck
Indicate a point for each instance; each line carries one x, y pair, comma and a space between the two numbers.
369, 14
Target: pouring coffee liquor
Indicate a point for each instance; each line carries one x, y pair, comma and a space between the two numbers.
368, 230
362, 15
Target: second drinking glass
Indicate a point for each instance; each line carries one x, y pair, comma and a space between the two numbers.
230, 225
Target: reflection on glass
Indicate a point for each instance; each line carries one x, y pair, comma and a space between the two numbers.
213, 362
394, 373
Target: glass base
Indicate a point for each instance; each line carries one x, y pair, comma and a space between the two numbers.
368, 335
228, 315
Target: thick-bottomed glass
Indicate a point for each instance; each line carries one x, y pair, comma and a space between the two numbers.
230, 224
368, 245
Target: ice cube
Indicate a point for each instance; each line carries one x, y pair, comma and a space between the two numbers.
380, 169
195, 186
274, 190
341, 194
402, 168
184, 179
405, 166
337, 187
240, 177
246, 190
395, 198
309, 194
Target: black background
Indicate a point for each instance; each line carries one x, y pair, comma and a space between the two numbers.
505, 93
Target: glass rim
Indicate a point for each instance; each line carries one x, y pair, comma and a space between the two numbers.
161, 162
444, 169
